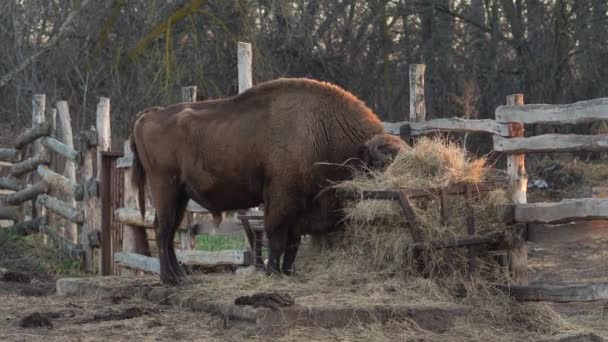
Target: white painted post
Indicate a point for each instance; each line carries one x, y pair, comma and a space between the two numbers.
69, 168
244, 66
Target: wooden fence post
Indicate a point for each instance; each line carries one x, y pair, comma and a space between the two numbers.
69, 168
417, 102
88, 149
38, 117
244, 66
104, 143
518, 186
135, 239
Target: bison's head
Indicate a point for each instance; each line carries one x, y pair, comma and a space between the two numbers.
380, 150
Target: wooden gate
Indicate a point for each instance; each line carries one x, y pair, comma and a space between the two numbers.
112, 198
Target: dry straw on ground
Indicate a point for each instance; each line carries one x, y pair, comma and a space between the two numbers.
367, 263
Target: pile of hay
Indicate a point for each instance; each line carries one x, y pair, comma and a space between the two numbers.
377, 232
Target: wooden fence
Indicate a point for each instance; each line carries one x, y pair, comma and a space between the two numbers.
65, 209
567, 220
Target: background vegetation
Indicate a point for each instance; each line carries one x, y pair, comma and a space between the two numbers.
140, 52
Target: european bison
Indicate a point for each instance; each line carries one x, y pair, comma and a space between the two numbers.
277, 143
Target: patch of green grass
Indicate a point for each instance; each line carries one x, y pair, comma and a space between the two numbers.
221, 242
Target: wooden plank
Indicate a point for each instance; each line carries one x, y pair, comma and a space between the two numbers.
416, 193
460, 242
27, 194
567, 210
446, 125
578, 112
568, 232
133, 217
206, 258
64, 122
559, 293
9, 213
201, 258
61, 184
518, 187
417, 103
39, 118
93, 209
29, 165
9, 184
9, 155
72, 214
552, 143
29, 136
60, 148
189, 94
244, 61
138, 262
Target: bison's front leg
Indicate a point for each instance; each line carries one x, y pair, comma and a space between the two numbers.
277, 241
293, 243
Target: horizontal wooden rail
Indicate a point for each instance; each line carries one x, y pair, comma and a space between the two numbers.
460, 242
567, 232
60, 183
27, 194
8, 155
552, 143
579, 112
200, 258
28, 165
62, 149
413, 193
559, 293
37, 131
9, 213
446, 125
133, 217
75, 215
9, 184
567, 210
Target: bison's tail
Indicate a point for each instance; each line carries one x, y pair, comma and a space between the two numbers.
138, 178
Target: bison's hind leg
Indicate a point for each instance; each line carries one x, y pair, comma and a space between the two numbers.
170, 201
293, 244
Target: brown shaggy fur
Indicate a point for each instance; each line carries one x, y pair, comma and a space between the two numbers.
262, 146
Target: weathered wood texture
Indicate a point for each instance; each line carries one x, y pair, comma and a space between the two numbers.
568, 232
9, 184
244, 56
446, 125
134, 239
27, 137
66, 136
417, 101
200, 258
552, 143
560, 293
564, 211
29, 165
61, 148
88, 204
9, 155
61, 184
518, 186
133, 217
9, 213
27, 194
579, 112
72, 214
